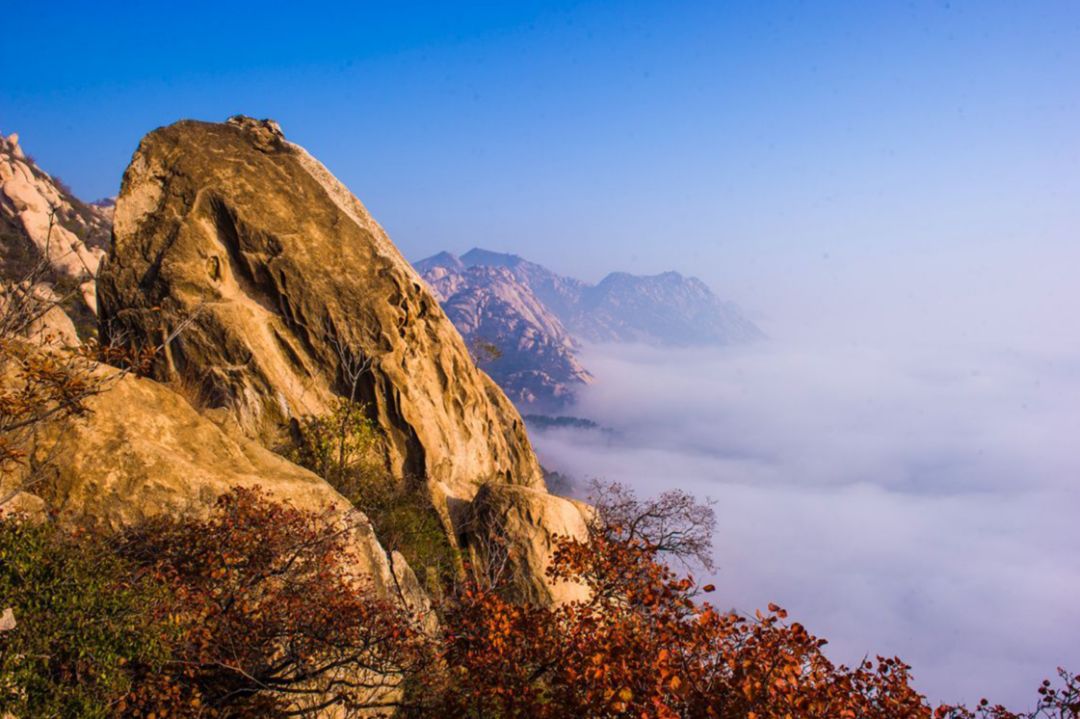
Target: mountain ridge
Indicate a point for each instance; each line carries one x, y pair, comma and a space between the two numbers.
537, 320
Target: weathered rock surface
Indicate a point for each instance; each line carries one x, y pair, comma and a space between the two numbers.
513, 336
144, 451
286, 282
531, 521
39, 217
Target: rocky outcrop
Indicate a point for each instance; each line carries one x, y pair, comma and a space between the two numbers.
39, 217
513, 336
287, 290
35, 313
559, 293
142, 450
522, 526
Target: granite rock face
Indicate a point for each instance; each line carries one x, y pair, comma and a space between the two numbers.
529, 523
141, 450
283, 285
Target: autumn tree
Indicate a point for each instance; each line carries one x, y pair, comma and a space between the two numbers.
273, 621
256, 611
1054, 702
674, 525
646, 645
39, 379
606, 656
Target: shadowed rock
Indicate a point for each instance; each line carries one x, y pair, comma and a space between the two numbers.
523, 527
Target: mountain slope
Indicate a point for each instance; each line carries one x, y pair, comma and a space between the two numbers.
666, 309
525, 322
663, 309
513, 336
559, 294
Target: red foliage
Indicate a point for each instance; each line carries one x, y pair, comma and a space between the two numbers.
264, 618
269, 620
645, 646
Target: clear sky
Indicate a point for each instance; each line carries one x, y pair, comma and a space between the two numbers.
736, 141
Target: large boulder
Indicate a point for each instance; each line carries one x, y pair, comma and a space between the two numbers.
141, 450
523, 526
286, 289
36, 313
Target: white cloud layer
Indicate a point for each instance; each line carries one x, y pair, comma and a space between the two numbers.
922, 503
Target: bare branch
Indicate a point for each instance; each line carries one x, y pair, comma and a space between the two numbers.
674, 523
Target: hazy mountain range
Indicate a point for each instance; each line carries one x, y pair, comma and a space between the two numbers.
525, 322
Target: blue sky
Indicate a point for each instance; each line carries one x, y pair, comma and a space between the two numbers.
788, 152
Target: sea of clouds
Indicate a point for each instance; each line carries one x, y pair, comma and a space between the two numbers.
898, 500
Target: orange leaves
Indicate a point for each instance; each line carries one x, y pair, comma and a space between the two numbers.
35, 385
265, 601
778, 610
641, 647
39, 384
262, 616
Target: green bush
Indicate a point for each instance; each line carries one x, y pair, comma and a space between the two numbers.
347, 449
84, 620
404, 520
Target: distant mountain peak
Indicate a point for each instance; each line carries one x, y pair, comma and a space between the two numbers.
668, 276
444, 259
478, 256
514, 336
535, 318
